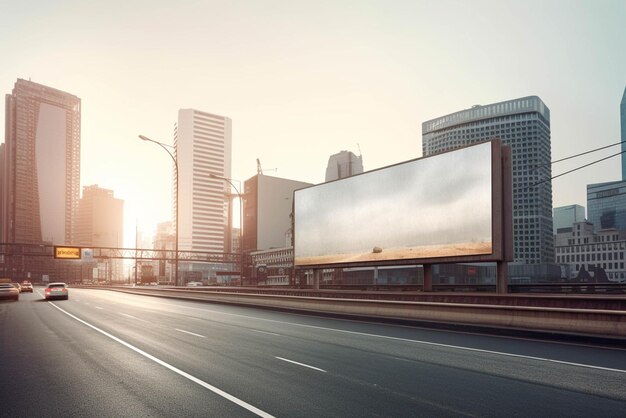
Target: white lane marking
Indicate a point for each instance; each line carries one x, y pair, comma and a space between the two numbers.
186, 375
478, 350
98, 307
77, 300
301, 364
265, 332
133, 317
190, 333
588, 366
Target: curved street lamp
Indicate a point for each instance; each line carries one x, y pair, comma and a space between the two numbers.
144, 138
215, 176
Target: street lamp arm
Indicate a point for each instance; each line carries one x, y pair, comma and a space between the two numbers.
241, 264
162, 145
214, 176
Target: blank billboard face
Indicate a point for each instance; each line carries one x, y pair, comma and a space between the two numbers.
433, 207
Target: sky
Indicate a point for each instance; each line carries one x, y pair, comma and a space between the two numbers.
302, 80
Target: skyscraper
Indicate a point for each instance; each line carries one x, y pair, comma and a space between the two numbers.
606, 202
99, 219
524, 125
41, 164
100, 223
343, 164
203, 143
622, 113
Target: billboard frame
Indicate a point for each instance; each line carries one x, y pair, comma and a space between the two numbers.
501, 219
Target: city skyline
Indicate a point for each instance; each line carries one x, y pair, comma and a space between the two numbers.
307, 79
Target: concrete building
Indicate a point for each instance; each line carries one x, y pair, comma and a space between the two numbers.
272, 267
565, 216
267, 208
583, 250
100, 223
524, 125
606, 205
41, 179
343, 164
203, 143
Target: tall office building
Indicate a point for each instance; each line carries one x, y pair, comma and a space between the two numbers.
100, 223
343, 164
2, 195
203, 143
622, 113
566, 216
606, 202
524, 125
99, 219
41, 179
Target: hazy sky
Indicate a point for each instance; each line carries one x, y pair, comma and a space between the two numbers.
302, 80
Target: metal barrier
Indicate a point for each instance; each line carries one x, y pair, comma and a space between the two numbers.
488, 312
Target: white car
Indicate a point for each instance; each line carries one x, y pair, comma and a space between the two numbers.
57, 290
195, 284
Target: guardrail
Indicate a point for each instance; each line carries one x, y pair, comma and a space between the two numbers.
565, 287
605, 323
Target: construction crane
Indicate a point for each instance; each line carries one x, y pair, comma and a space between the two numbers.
259, 170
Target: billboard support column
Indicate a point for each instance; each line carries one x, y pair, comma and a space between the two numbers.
502, 269
428, 278
502, 277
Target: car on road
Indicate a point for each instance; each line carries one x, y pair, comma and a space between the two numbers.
57, 290
17, 286
27, 286
192, 284
8, 291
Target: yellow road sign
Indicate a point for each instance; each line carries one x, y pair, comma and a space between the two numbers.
68, 253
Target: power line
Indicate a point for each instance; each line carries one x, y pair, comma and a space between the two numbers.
582, 153
578, 168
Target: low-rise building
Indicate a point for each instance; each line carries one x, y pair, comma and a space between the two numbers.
582, 249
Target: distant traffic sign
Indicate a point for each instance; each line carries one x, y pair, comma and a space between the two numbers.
67, 253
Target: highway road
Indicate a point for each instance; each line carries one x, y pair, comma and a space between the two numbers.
103, 353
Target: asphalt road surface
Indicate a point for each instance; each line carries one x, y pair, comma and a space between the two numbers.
103, 353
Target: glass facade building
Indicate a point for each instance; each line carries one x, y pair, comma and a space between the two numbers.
565, 216
524, 125
606, 205
622, 113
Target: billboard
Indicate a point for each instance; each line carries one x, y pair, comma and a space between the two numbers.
442, 208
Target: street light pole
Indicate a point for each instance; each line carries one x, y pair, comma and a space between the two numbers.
144, 138
215, 176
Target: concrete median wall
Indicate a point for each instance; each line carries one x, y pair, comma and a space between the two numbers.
592, 322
